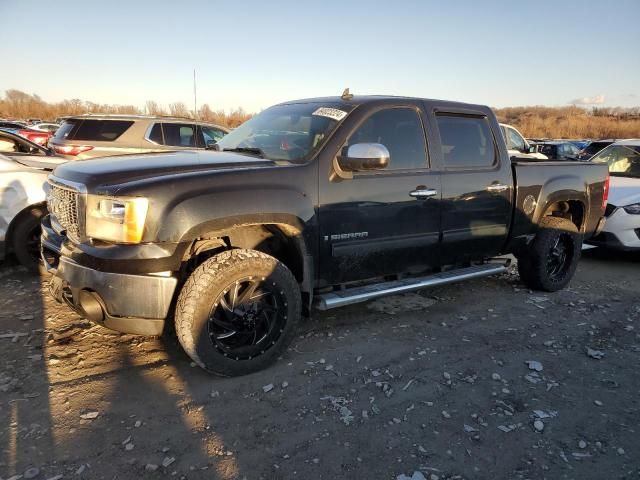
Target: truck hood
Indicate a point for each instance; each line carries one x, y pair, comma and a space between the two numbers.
624, 191
126, 168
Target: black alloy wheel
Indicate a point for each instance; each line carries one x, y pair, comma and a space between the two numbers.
247, 318
559, 254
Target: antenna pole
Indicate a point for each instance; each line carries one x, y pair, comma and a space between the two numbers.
195, 103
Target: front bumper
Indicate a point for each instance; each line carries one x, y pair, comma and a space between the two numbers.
129, 303
621, 231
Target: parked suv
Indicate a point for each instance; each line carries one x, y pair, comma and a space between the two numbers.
89, 136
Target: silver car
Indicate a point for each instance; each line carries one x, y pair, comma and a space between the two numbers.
89, 136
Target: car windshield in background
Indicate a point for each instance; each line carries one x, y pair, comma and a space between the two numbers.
293, 132
623, 160
595, 147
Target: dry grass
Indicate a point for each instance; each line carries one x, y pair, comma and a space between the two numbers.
572, 122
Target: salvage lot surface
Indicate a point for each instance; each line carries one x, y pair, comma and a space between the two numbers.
435, 383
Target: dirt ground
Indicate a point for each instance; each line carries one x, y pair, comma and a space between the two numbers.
478, 380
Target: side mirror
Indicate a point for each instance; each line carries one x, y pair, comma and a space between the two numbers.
212, 145
530, 149
364, 156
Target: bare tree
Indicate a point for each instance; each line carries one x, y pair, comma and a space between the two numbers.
153, 108
179, 109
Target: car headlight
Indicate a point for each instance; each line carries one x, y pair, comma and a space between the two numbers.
633, 209
119, 220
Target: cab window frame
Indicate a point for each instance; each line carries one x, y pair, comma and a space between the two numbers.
495, 165
420, 114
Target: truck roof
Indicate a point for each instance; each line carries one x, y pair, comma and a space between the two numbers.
364, 99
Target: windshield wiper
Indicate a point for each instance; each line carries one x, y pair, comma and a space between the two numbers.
250, 150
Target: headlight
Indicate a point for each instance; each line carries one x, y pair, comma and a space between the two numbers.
633, 209
119, 220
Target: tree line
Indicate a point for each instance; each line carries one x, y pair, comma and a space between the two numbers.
18, 105
533, 122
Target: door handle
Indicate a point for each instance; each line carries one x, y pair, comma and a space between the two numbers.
497, 187
423, 193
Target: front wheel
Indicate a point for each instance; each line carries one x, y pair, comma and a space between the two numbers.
551, 260
237, 312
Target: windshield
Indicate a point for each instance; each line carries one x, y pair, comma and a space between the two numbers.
293, 132
594, 147
623, 160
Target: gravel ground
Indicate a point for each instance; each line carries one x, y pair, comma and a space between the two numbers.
479, 380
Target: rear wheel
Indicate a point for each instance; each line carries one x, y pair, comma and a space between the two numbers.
237, 312
552, 258
25, 240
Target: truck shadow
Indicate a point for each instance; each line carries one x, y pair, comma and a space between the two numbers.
609, 255
77, 397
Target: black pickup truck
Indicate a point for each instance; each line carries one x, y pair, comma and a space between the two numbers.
324, 202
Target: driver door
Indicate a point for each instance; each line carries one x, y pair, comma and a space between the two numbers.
375, 224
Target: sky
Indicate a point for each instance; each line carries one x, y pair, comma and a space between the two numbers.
252, 54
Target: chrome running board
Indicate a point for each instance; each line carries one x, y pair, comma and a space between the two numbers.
349, 296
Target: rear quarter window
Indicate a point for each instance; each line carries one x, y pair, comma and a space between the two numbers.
467, 142
100, 130
65, 129
155, 135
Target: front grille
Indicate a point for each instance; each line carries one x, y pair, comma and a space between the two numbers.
62, 203
609, 210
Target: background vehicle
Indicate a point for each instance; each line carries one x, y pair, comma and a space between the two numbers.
45, 127
12, 144
580, 144
592, 149
35, 136
517, 145
24, 167
338, 199
10, 126
89, 136
22, 204
558, 150
622, 228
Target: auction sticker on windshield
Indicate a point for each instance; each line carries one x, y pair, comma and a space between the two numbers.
332, 113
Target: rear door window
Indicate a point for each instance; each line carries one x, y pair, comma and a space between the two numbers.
179, 134
467, 142
100, 130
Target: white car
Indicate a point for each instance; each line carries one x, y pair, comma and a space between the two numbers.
622, 227
517, 146
24, 167
45, 127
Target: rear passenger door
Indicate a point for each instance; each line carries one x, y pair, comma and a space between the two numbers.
476, 187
